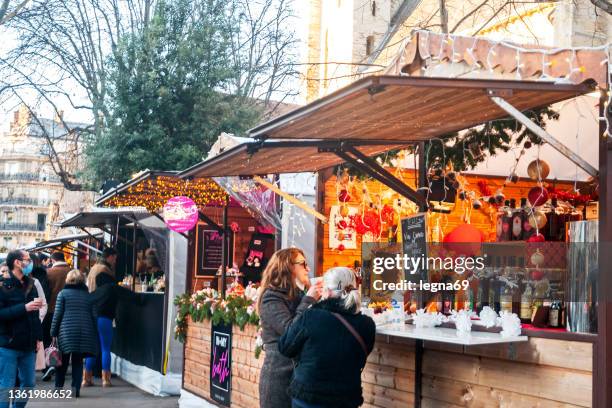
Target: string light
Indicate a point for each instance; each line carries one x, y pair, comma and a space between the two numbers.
154, 193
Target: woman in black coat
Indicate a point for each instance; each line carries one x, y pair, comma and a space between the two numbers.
280, 302
74, 326
331, 342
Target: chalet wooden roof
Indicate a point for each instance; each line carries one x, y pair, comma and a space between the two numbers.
403, 109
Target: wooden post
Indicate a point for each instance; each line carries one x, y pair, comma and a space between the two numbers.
418, 344
224, 253
134, 255
602, 375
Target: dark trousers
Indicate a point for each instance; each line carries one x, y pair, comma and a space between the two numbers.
77, 370
46, 328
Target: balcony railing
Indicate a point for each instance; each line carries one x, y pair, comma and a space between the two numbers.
20, 227
29, 177
24, 201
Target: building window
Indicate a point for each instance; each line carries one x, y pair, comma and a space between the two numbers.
7, 217
8, 243
374, 8
369, 44
11, 168
41, 223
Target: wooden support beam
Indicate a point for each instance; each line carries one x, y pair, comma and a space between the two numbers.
545, 136
298, 203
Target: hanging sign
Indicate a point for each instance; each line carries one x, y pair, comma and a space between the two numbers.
414, 243
221, 364
180, 214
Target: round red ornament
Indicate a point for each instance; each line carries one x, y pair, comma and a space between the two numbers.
537, 275
537, 196
344, 196
536, 238
464, 239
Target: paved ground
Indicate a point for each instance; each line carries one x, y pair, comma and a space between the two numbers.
121, 394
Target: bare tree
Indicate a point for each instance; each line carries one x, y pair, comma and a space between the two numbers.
263, 50
62, 56
603, 4
9, 9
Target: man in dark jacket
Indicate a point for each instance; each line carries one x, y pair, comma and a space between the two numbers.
20, 329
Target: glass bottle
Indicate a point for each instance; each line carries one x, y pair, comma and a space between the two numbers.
526, 304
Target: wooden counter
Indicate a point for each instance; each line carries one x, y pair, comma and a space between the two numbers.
538, 372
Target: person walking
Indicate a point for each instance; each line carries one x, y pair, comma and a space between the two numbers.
74, 326
57, 279
105, 292
20, 329
39, 273
331, 342
281, 300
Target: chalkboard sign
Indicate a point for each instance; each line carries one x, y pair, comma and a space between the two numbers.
414, 244
221, 364
210, 251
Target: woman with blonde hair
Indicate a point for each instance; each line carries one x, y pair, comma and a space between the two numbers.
331, 342
281, 300
74, 327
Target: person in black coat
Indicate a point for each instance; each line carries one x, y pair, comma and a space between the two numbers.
20, 329
281, 301
74, 324
331, 342
40, 272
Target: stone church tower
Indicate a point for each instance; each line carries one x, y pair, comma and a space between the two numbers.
341, 35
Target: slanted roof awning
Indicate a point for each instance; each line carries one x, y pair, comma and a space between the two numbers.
278, 157
101, 218
410, 108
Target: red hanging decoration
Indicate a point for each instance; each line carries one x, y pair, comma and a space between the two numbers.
464, 239
484, 188
344, 196
537, 196
574, 198
388, 214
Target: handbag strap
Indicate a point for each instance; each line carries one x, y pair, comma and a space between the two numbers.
353, 332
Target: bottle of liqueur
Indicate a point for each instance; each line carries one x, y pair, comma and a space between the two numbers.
482, 299
506, 221
447, 297
526, 304
517, 221
506, 299
528, 230
554, 314
553, 223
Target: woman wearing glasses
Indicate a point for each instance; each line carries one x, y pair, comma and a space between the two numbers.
281, 301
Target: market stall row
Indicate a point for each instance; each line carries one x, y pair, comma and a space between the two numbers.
412, 365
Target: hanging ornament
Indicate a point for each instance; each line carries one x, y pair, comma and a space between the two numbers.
537, 196
514, 178
476, 204
344, 211
537, 219
537, 259
340, 248
344, 196
536, 238
462, 195
464, 239
499, 196
491, 200
538, 170
527, 144
537, 275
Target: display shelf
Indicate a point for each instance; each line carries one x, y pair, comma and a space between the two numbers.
446, 335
